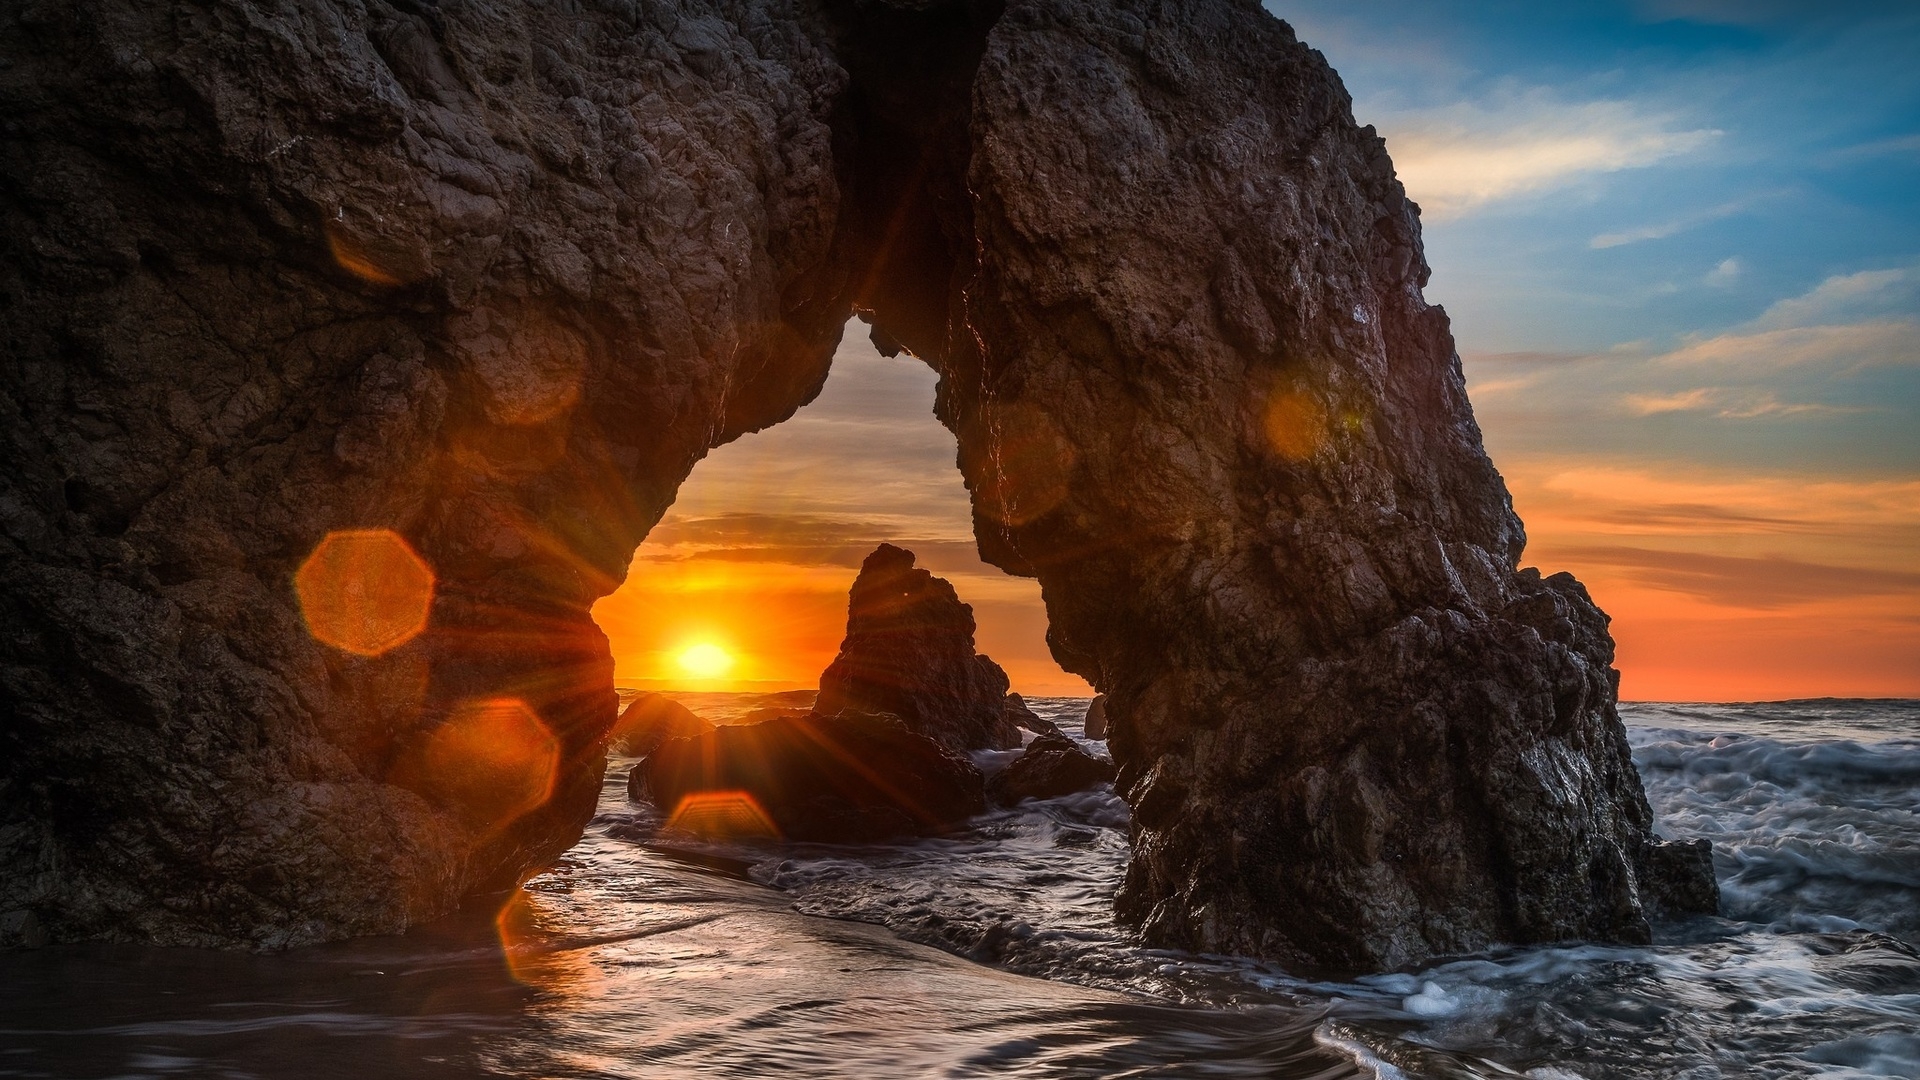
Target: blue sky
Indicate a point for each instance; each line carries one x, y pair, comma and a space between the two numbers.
1680, 245
1635, 178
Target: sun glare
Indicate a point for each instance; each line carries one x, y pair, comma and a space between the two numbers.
705, 660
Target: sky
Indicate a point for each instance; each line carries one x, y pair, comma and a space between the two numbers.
1680, 246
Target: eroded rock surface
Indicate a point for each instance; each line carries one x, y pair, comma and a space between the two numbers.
490, 277
1203, 399
909, 652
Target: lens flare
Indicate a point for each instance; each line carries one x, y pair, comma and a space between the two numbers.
723, 815
493, 761
364, 591
705, 660
1296, 425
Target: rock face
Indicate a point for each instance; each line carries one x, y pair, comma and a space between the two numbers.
846, 778
1096, 722
1051, 766
909, 652
1204, 401
490, 276
475, 285
650, 720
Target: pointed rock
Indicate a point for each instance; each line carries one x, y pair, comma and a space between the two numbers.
909, 652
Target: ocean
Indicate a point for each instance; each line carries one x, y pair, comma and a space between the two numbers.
994, 953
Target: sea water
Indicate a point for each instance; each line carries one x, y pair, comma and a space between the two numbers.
643, 954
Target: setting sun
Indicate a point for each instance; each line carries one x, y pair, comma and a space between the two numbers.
705, 660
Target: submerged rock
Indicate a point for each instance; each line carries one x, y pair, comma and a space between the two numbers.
909, 652
652, 719
1096, 723
1052, 765
846, 778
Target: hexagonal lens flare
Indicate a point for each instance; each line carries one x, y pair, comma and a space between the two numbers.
493, 761
364, 591
723, 815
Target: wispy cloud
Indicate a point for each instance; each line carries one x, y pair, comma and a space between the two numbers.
1763, 583
1725, 274
1899, 145
796, 540
1684, 401
1462, 156
1672, 226
1847, 297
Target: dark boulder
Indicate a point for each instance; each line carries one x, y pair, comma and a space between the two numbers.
1096, 726
1053, 765
846, 778
652, 719
909, 652
1018, 714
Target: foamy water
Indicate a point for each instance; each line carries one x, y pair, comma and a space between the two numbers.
995, 953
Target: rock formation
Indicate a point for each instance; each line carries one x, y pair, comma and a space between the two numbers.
909, 652
1051, 766
1017, 713
844, 778
1096, 722
350, 349
650, 720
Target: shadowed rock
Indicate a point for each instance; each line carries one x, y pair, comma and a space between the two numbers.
909, 652
652, 719
846, 778
1052, 765
1096, 723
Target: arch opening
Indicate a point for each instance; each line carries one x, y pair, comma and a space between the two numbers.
750, 568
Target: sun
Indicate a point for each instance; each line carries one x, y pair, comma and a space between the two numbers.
705, 660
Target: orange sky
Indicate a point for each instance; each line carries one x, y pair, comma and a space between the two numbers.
759, 551
1723, 583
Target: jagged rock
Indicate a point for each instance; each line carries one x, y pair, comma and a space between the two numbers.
1017, 713
1052, 765
493, 276
652, 719
846, 778
1096, 724
909, 652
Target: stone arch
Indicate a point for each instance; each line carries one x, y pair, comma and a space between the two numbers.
493, 277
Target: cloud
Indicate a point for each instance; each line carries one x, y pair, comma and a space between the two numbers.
1899, 144
1886, 343
1673, 226
1763, 583
1684, 401
796, 540
1724, 274
1462, 156
1847, 297
1729, 404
